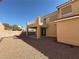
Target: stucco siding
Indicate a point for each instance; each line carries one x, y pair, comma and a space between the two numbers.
68, 31
51, 30
2, 27
75, 9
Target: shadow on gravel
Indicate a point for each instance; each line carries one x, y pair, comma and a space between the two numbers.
50, 48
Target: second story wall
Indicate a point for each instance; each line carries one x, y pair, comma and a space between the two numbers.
51, 17
39, 21
69, 9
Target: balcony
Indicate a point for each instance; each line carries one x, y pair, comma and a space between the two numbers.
39, 22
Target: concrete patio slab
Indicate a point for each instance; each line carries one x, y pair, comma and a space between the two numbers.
14, 48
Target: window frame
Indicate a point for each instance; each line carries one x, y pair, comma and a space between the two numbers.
66, 10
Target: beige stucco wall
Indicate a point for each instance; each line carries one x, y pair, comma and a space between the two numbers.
51, 30
75, 9
2, 27
51, 17
68, 31
50, 25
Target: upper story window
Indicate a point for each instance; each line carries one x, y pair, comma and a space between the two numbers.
44, 20
66, 10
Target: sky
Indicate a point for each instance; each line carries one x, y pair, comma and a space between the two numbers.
20, 12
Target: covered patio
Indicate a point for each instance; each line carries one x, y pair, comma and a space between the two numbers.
39, 30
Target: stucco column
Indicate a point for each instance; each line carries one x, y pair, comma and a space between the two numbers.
27, 30
38, 32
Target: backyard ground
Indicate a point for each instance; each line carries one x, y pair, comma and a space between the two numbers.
24, 47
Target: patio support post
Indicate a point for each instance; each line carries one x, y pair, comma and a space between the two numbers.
27, 33
38, 32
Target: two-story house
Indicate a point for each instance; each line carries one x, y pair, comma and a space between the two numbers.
68, 23
45, 26
63, 24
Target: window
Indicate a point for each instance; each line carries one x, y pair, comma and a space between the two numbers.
67, 9
44, 20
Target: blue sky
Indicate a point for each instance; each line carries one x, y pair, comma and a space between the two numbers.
21, 11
